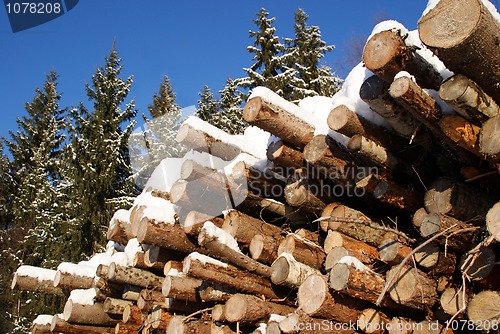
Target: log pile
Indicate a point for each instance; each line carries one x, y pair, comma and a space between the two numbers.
375, 227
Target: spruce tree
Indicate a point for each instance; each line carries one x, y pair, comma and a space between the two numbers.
35, 227
304, 54
98, 179
230, 117
268, 69
208, 105
157, 141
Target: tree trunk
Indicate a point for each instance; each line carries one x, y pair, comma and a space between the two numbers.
208, 293
439, 263
404, 198
165, 235
392, 251
468, 99
135, 276
87, 314
204, 142
386, 54
264, 248
463, 133
240, 280
119, 231
218, 314
172, 265
115, 306
315, 300
132, 315
476, 36
67, 280
484, 310
493, 221
177, 325
182, 288
411, 287
34, 284
303, 251
160, 318
247, 309
284, 155
192, 170
244, 227
61, 326
338, 217
489, 144
194, 222
289, 272
302, 191
131, 292
372, 321
223, 252
375, 92
360, 250
279, 122
456, 240
156, 257
149, 299
453, 300
458, 200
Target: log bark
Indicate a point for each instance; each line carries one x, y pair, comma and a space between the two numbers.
285, 155
264, 248
476, 36
244, 227
87, 314
354, 223
70, 281
316, 300
302, 191
458, 200
134, 276
375, 92
30, 283
463, 133
204, 142
413, 288
119, 231
177, 325
122, 328
484, 309
194, 222
248, 309
240, 280
468, 99
115, 306
452, 301
156, 257
59, 325
404, 198
277, 121
223, 252
386, 54
493, 221
149, 299
165, 235
182, 288
392, 251
489, 144
289, 272
457, 241
208, 293
360, 250
192, 170
303, 251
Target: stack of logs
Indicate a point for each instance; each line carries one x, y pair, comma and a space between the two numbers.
408, 242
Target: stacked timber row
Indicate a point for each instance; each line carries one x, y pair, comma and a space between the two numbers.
388, 226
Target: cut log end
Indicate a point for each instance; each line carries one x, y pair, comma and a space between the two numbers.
252, 109
280, 270
493, 221
312, 294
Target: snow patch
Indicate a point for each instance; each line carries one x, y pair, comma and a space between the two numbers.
43, 319
353, 262
133, 247
220, 235
80, 269
276, 317
83, 296
41, 274
203, 259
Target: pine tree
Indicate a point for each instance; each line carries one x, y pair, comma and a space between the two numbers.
230, 118
35, 227
157, 141
208, 105
303, 54
268, 69
98, 180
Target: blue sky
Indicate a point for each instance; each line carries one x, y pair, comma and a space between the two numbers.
193, 42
